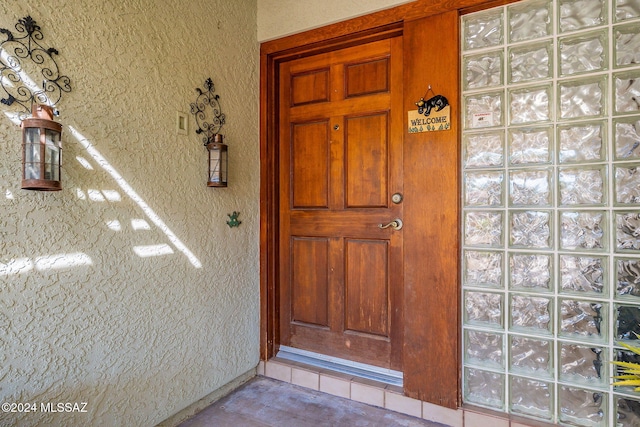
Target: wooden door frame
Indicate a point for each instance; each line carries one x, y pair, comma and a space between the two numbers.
431, 336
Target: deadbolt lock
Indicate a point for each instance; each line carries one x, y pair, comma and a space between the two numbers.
396, 198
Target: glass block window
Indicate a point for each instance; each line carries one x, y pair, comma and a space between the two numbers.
550, 113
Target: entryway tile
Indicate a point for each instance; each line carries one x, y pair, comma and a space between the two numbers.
278, 371
440, 414
305, 378
335, 386
367, 394
403, 404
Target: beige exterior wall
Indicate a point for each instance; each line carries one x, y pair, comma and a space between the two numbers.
127, 290
279, 18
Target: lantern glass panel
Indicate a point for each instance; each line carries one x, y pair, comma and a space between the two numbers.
32, 153
214, 166
52, 155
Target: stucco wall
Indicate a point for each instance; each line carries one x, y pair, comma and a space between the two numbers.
127, 290
279, 18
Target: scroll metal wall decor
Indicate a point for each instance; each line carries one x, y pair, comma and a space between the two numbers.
29, 73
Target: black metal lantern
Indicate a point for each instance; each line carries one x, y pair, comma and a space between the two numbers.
41, 150
209, 119
217, 162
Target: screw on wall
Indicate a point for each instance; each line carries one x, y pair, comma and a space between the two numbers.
233, 219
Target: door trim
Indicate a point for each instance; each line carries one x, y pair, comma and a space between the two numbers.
437, 382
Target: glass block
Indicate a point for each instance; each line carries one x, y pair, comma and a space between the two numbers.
483, 269
531, 397
531, 272
627, 9
484, 388
583, 230
530, 62
580, 14
530, 105
583, 98
627, 137
627, 231
483, 110
623, 355
483, 228
483, 188
483, 29
627, 412
531, 314
529, 21
583, 319
484, 349
628, 278
483, 308
530, 187
483, 150
582, 407
583, 274
584, 142
627, 184
530, 229
582, 186
531, 356
627, 322
627, 87
627, 47
484, 70
583, 364
584, 53
530, 145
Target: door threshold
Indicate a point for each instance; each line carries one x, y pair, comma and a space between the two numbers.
362, 370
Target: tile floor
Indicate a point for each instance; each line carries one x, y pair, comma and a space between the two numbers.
264, 402
292, 394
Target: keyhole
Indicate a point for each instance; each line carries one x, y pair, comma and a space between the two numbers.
336, 127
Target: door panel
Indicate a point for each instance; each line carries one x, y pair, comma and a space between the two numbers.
367, 160
340, 160
310, 165
309, 280
367, 78
367, 292
311, 86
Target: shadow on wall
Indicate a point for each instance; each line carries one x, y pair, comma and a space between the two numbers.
77, 259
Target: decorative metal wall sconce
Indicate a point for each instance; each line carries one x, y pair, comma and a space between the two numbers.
41, 150
23, 63
210, 126
20, 55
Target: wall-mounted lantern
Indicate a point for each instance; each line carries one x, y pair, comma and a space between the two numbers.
23, 50
218, 162
210, 126
41, 150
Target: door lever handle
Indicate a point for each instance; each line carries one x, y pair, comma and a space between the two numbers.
396, 224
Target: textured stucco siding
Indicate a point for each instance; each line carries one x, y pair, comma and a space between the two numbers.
127, 290
279, 18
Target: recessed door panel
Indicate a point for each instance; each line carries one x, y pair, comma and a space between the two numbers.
367, 160
367, 289
309, 87
310, 165
367, 77
309, 280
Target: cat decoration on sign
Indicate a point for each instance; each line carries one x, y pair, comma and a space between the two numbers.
436, 112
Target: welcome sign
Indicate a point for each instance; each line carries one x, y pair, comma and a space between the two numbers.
432, 115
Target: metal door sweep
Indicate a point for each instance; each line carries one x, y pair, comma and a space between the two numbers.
344, 366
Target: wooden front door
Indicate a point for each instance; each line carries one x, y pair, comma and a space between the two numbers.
340, 159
